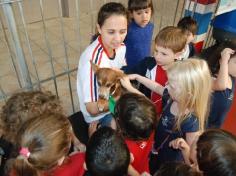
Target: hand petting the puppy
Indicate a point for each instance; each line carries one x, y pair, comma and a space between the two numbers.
133, 76
125, 82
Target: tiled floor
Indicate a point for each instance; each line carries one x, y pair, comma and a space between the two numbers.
77, 34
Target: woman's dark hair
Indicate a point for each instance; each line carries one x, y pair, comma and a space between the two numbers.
136, 116
216, 153
109, 9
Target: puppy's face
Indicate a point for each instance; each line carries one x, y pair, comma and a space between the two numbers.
108, 81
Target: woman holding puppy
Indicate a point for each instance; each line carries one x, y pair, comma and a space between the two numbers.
107, 50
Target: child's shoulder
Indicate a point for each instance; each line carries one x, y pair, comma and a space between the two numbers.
190, 124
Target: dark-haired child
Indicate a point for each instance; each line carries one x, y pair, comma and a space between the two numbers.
189, 27
224, 72
136, 118
107, 154
139, 37
213, 152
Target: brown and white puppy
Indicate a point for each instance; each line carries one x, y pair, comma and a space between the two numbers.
108, 80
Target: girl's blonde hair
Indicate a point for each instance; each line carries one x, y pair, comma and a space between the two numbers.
194, 80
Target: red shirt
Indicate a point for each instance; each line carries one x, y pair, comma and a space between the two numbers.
161, 78
72, 167
140, 151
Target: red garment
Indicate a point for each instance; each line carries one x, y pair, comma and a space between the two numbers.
140, 151
161, 78
72, 167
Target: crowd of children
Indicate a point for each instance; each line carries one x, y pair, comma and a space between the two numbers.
157, 128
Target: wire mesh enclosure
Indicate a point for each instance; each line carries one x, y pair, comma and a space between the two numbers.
41, 41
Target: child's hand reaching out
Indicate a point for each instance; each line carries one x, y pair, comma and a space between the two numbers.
125, 82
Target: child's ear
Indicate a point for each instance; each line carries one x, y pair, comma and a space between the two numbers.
99, 28
85, 166
95, 67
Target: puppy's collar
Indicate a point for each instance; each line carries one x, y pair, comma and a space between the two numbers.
111, 104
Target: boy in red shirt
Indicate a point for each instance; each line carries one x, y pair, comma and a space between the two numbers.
136, 118
170, 43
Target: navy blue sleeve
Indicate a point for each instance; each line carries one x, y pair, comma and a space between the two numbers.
192, 50
191, 124
141, 67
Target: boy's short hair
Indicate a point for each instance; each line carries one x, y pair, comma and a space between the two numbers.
176, 169
136, 116
171, 37
188, 24
134, 5
107, 154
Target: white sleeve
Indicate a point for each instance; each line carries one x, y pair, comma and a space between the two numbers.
85, 78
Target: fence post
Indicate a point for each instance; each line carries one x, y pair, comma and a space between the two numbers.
15, 43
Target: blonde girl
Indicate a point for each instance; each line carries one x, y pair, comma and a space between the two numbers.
185, 103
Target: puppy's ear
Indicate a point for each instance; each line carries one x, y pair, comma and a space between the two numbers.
95, 67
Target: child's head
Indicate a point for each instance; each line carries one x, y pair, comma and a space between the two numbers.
169, 45
176, 169
189, 27
136, 116
189, 84
107, 154
42, 143
214, 58
23, 106
216, 153
112, 24
140, 11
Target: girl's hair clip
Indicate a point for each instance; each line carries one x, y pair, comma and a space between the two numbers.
24, 151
